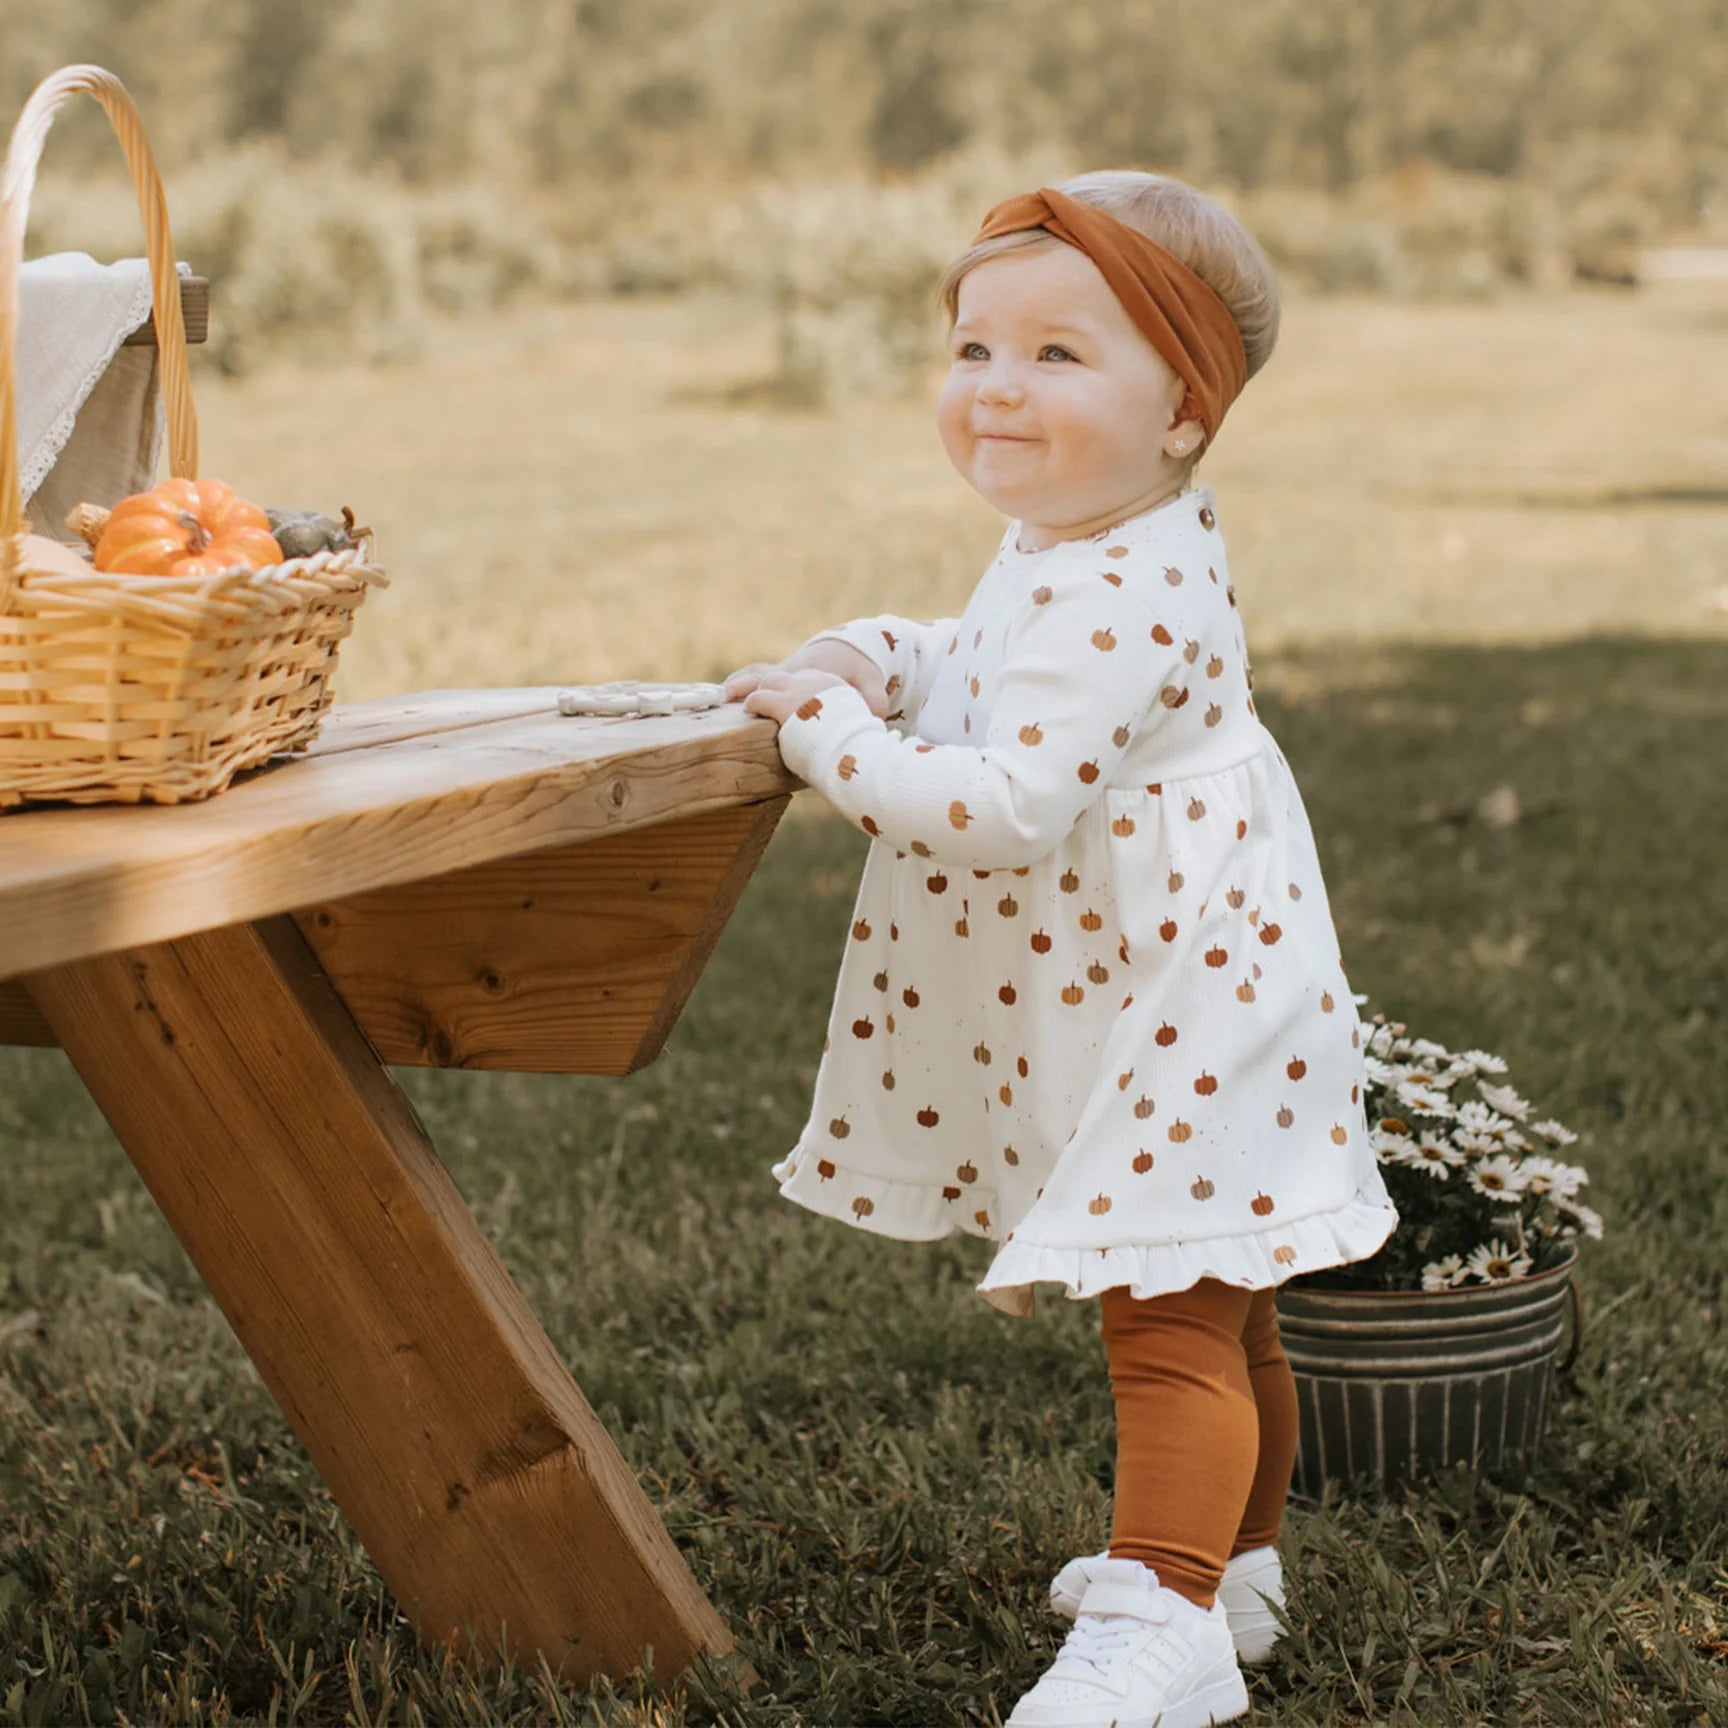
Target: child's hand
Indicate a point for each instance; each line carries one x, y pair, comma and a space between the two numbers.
777, 694
845, 662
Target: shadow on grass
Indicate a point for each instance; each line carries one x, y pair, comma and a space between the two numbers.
874, 1473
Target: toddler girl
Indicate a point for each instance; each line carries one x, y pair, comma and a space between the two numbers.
1092, 1005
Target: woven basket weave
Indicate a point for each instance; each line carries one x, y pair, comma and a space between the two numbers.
119, 688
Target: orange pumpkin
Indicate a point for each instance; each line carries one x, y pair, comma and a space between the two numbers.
186, 528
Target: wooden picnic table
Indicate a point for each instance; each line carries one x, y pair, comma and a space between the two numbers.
457, 879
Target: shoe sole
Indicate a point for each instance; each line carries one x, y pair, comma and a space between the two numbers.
1225, 1700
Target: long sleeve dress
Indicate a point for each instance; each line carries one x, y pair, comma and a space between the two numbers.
1092, 1005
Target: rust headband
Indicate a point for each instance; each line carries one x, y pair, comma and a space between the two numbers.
1179, 313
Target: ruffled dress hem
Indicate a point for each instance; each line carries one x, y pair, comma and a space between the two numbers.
908, 1211
919, 1212
1257, 1262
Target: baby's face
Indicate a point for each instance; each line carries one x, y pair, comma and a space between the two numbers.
1057, 409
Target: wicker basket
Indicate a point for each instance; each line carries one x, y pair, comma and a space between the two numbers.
120, 688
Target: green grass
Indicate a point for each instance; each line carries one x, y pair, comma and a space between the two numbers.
871, 1471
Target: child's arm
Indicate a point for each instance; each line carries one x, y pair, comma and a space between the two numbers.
1085, 671
908, 653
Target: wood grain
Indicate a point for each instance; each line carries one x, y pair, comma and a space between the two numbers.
194, 314
21, 1021
424, 1390
428, 792
576, 960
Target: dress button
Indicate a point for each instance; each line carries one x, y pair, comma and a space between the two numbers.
1206, 516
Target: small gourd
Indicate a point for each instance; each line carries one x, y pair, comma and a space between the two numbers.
306, 533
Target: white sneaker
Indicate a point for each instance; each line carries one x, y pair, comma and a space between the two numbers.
1253, 1578
1140, 1656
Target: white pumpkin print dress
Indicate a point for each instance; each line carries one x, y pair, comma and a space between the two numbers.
1092, 1005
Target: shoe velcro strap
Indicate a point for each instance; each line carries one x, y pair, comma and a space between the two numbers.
1104, 1598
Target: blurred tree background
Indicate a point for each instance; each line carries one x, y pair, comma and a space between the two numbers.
345, 168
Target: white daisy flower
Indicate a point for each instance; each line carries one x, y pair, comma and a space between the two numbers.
1504, 1099
1476, 1144
1397, 1150
1444, 1273
1548, 1176
1379, 1073
1498, 1177
1554, 1132
1436, 1155
1380, 1041
1589, 1220
1497, 1262
1416, 1096
1477, 1118
1482, 1061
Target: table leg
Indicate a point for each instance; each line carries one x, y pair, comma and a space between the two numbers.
307, 1194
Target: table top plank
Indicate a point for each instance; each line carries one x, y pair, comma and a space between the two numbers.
390, 792
394, 719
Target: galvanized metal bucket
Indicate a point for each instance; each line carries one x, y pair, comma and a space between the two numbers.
1394, 1384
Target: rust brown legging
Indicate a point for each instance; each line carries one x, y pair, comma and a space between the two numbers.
1205, 1429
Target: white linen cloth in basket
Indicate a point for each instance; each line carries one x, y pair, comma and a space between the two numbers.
89, 412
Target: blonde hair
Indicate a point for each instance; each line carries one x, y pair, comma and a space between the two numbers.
1197, 229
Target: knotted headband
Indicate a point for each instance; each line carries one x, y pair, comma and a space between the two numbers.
1179, 313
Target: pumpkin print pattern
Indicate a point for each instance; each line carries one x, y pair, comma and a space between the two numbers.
1091, 1007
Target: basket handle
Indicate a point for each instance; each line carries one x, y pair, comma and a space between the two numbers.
19, 175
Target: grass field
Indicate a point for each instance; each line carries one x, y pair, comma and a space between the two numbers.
872, 1472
